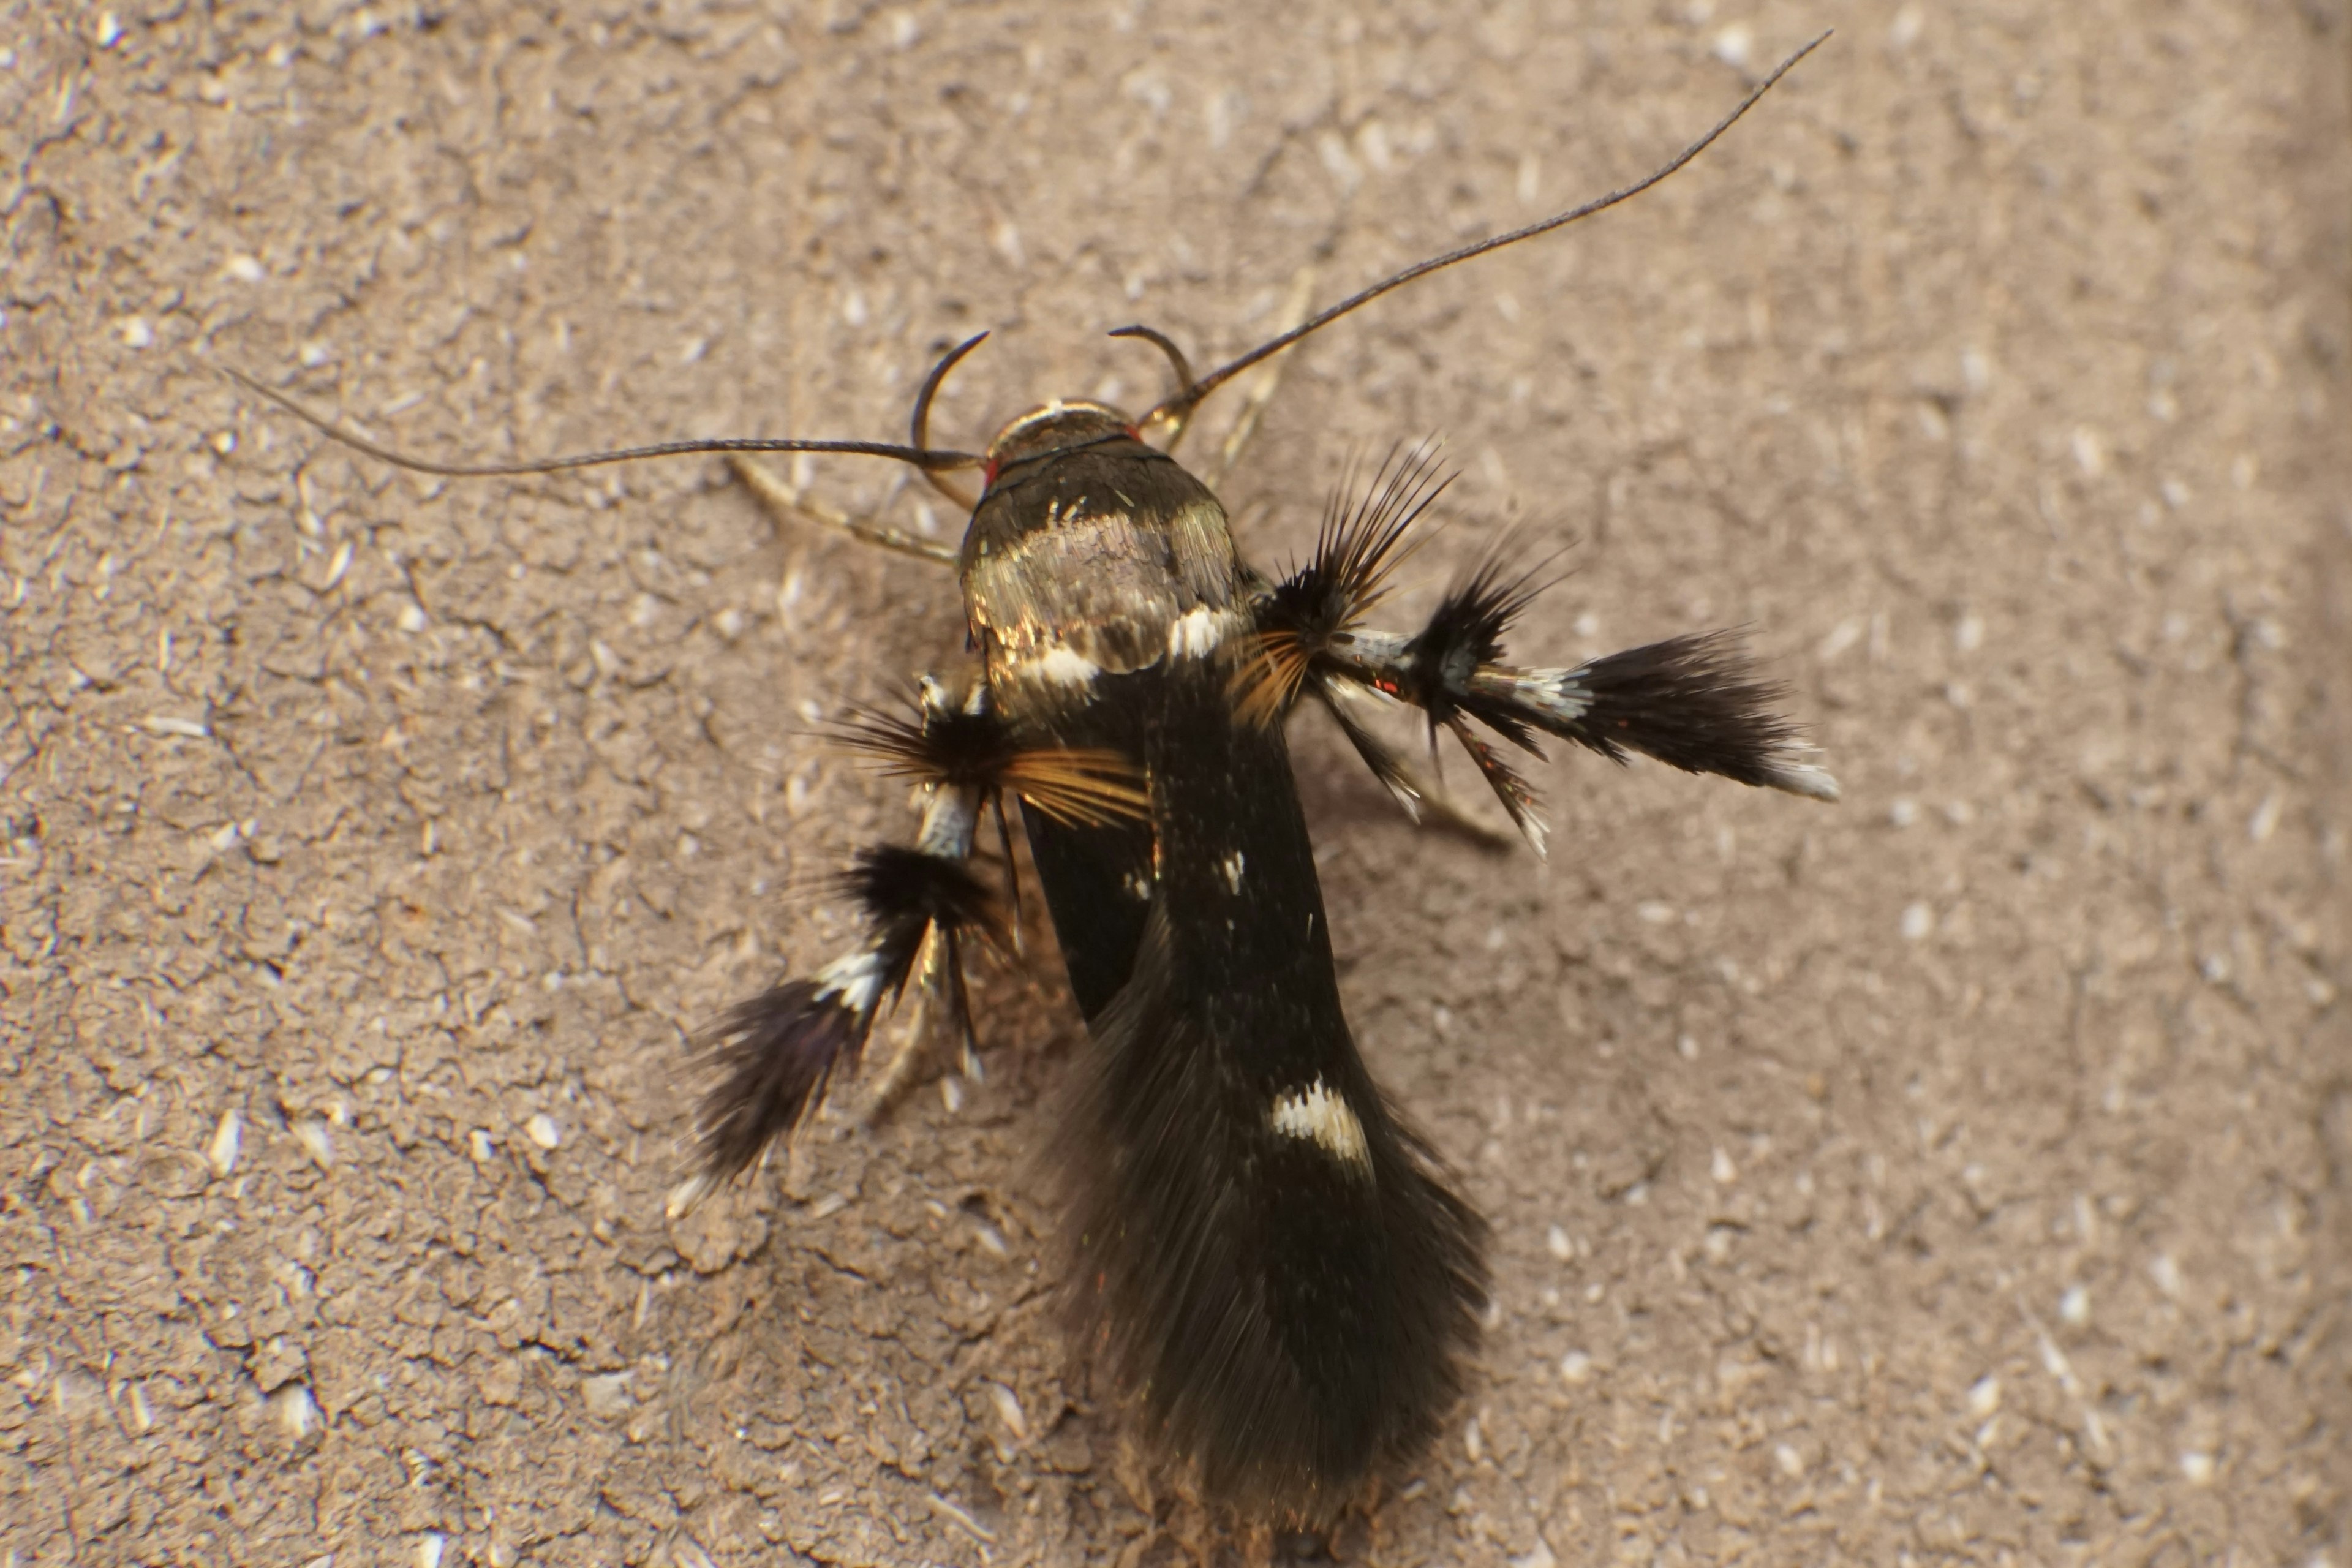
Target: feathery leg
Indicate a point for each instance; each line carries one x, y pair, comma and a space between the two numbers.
776, 1056
1692, 702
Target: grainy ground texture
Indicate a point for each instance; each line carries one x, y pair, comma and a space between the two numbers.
1956, 1174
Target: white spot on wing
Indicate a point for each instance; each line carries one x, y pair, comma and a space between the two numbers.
1232, 865
1198, 632
1321, 1116
1063, 666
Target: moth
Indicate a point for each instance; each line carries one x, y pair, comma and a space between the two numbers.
1265, 1259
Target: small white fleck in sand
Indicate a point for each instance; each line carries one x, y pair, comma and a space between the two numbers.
1656, 912
1539, 1556
481, 1146
542, 1130
1903, 811
1473, 1442
1968, 633
1984, 1396
1732, 44
606, 1396
245, 268
1918, 920
317, 1143
1009, 1411
962, 1518
135, 332
685, 1198
1576, 1369
428, 1549
336, 567
2165, 1273
2265, 820
1724, 1171
2090, 453
2075, 1307
2197, 1469
296, 1411
1791, 1463
1687, 1047
1560, 1247
952, 1094
412, 618
229, 1142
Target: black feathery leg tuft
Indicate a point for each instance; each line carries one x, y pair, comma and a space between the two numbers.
1466, 632
972, 747
1356, 551
772, 1057
1692, 702
939, 744
904, 893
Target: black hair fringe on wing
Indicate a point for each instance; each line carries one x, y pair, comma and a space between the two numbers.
1288, 1333
1356, 549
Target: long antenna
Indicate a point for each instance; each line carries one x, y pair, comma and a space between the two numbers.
928, 459
1180, 407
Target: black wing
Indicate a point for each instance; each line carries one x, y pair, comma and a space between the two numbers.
1265, 1258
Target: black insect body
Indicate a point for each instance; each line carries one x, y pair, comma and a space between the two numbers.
1261, 1251
1263, 1260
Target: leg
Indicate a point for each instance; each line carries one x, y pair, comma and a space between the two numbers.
1261, 385
782, 498
1691, 702
1415, 792
776, 1055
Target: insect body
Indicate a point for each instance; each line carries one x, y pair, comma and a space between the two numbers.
1261, 1251
1263, 1256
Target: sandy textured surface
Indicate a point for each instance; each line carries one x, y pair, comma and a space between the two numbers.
1958, 1174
